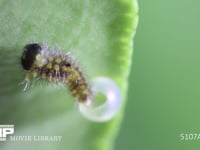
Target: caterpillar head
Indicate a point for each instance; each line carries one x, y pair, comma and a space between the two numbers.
31, 55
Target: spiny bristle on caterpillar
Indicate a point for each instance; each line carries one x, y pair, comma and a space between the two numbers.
55, 66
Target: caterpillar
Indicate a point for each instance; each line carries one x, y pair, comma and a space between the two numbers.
55, 66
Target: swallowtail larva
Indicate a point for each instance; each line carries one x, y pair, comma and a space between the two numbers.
55, 66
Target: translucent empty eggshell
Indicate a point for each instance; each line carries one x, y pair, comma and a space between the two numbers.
109, 108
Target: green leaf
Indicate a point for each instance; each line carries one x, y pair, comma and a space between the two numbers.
99, 33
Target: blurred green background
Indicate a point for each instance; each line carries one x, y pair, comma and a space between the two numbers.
164, 87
